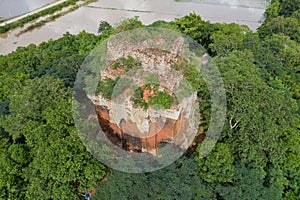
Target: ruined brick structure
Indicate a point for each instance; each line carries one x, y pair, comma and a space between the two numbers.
144, 130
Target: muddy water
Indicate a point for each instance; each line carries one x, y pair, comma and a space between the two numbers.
88, 17
233, 3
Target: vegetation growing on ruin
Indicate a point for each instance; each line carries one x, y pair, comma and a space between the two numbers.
138, 99
157, 99
128, 62
106, 87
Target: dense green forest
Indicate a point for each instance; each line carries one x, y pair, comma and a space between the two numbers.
257, 156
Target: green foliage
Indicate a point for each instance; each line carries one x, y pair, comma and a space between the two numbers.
41, 154
163, 24
128, 24
279, 57
129, 62
291, 165
287, 26
19, 153
256, 122
177, 181
176, 65
248, 183
217, 167
257, 156
282, 17
106, 87
192, 75
159, 99
288, 7
162, 98
138, 99
273, 10
196, 28
104, 27
229, 37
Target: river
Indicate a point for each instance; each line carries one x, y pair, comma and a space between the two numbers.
88, 17
13, 8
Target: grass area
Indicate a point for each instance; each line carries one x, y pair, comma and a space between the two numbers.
48, 19
32, 17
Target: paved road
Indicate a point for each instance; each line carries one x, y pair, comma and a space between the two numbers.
88, 17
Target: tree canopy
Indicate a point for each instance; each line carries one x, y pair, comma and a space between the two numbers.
256, 157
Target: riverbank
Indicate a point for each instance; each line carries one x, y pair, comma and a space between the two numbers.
88, 17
